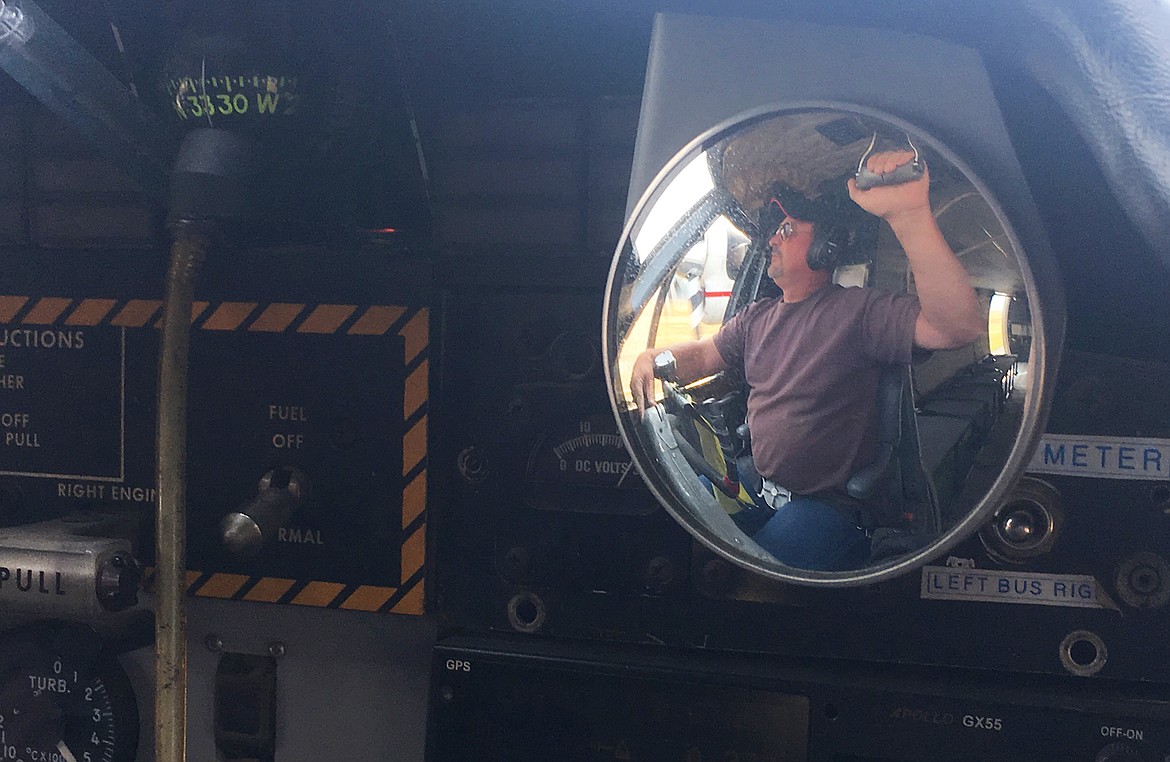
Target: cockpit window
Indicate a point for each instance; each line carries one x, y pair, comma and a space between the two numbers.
678, 198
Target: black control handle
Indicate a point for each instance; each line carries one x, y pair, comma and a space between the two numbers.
246, 531
665, 366
903, 173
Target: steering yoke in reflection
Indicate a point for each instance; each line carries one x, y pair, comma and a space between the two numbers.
684, 486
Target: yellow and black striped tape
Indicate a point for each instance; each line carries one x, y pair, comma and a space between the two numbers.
405, 599
411, 323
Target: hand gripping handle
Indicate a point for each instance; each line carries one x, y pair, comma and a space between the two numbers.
903, 173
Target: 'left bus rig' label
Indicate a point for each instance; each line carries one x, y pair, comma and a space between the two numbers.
62, 403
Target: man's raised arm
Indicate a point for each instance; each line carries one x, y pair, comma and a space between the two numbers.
693, 360
951, 315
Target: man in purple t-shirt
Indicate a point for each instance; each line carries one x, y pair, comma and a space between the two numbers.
812, 358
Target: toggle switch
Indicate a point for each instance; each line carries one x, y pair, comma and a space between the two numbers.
1027, 525
245, 532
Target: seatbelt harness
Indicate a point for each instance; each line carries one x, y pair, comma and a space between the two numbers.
774, 495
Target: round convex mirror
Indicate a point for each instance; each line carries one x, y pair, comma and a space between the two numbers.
819, 341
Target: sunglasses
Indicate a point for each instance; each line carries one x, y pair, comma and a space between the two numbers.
786, 231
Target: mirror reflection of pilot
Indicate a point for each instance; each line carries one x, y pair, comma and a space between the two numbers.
812, 359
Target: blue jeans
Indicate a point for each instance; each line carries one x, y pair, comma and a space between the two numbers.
811, 534
750, 518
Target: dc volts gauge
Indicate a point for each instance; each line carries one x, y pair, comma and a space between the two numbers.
583, 466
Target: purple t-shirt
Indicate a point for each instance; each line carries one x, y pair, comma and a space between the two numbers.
813, 368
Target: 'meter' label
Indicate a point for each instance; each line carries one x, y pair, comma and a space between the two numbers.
1102, 457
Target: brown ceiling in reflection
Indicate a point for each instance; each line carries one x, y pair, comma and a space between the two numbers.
816, 152
790, 149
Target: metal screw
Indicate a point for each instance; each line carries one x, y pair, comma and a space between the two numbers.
344, 435
472, 465
517, 407
717, 576
213, 642
517, 559
1142, 581
660, 572
1159, 497
1145, 580
277, 649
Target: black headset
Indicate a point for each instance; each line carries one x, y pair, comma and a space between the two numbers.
831, 246
843, 234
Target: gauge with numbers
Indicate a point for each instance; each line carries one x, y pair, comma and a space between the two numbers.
234, 97
584, 466
63, 698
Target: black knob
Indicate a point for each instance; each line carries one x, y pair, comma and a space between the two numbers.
665, 365
117, 582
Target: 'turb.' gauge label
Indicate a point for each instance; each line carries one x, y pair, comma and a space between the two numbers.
1102, 457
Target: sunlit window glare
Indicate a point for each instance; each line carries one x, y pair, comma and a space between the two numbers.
997, 324
684, 191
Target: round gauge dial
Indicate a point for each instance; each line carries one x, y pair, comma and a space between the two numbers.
585, 466
62, 698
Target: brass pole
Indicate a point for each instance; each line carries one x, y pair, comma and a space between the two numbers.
170, 697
